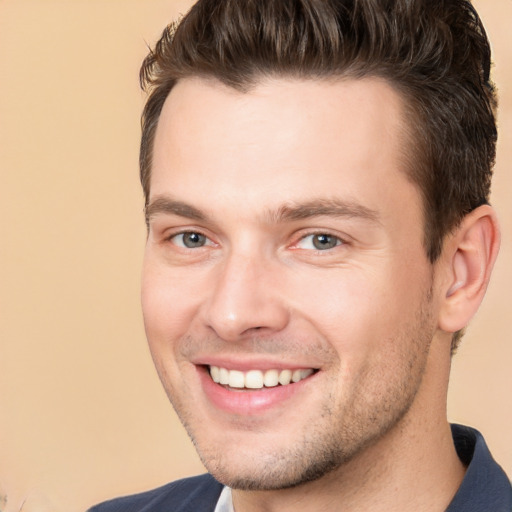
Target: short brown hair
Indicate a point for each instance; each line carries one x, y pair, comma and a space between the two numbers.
435, 53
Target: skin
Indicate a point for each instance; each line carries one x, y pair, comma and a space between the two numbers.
369, 313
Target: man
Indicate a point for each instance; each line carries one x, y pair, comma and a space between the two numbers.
317, 176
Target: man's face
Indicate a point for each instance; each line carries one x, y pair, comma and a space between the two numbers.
285, 242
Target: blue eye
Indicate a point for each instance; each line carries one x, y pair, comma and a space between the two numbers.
319, 241
190, 240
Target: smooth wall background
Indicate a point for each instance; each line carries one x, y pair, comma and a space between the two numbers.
82, 414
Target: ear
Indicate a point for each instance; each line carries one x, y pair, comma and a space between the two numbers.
468, 258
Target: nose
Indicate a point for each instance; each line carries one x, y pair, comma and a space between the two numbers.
246, 299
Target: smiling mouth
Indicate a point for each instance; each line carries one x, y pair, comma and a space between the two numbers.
257, 379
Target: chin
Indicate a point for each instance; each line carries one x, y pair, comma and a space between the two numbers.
268, 479
249, 469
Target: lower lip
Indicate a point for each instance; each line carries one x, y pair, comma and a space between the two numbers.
248, 402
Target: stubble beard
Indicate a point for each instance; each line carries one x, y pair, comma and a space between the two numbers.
340, 434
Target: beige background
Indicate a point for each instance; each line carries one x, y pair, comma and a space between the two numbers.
82, 415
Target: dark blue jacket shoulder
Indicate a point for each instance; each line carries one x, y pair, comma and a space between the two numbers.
196, 494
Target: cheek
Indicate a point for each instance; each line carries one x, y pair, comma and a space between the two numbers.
344, 305
166, 320
165, 306
360, 314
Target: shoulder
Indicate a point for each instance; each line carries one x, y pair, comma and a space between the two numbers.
199, 493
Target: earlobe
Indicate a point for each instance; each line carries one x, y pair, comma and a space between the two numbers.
471, 253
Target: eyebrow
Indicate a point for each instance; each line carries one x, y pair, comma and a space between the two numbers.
170, 206
324, 207
292, 211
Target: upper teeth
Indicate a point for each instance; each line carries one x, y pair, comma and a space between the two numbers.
256, 379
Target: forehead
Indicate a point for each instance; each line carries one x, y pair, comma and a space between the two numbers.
286, 139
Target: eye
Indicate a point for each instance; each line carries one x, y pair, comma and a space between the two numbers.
319, 241
190, 240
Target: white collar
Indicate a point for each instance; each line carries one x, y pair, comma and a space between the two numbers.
225, 502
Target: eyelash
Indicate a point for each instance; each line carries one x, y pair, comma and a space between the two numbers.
337, 239
208, 242
172, 237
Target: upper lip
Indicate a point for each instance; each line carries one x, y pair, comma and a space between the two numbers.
253, 363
